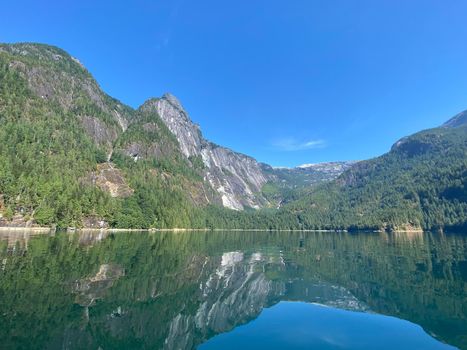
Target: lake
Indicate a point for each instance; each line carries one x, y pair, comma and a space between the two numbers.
233, 290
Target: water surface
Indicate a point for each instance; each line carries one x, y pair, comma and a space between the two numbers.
230, 290
296, 325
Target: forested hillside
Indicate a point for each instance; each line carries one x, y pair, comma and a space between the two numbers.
420, 183
58, 129
70, 155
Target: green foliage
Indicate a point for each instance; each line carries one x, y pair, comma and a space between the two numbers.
46, 159
421, 183
197, 162
46, 156
8, 213
44, 153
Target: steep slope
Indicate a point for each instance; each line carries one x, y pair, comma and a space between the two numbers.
237, 178
66, 150
56, 125
61, 80
421, 183
70, 154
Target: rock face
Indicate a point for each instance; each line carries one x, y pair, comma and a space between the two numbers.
235, 177
175, 117
110, 179
61, 79
147, 137
99, 132
95, 222
17, 220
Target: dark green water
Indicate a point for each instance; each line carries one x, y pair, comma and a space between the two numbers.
233, 290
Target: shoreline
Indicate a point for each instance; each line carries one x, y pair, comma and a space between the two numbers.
23, 229
71, 230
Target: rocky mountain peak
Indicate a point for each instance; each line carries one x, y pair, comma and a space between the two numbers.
176, 119
54, 76
236, 178
457, 121
173, 100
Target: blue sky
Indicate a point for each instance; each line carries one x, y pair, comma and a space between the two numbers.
287, 82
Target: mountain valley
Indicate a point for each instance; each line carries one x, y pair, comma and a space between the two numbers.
72, 156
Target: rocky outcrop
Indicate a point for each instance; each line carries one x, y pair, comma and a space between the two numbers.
100, 133
110, 179
332, 169
63, 80
412, 147
147, 137
95, 222
176, 118
18, 220
235, 177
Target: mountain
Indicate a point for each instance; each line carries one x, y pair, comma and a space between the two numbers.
73, 156
310, 174
289, 184
235, 177
56, 126
420, 183
70, 154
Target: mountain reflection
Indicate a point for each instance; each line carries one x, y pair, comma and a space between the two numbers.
177, 290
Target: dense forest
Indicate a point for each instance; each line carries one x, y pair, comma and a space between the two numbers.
57, 129
46, 155
420, 183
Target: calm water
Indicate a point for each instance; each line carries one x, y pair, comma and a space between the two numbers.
233, 290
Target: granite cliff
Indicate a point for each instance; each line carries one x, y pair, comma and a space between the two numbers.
237, 178
74, 139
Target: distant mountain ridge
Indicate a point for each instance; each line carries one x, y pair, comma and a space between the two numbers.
309, 174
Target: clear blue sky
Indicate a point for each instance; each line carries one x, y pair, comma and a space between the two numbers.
287, 82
